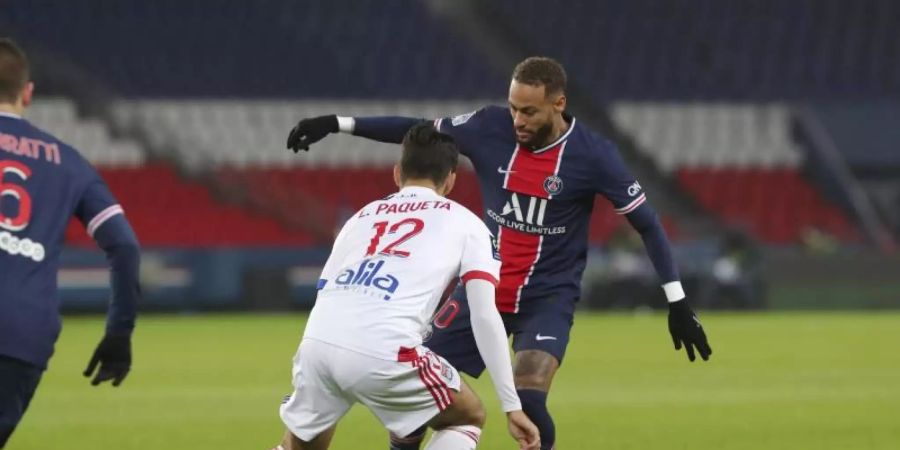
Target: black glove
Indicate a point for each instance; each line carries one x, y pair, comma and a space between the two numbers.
113, 354
686, 330
310, 131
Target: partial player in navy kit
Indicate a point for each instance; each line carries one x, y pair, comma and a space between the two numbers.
539, 170
44, 182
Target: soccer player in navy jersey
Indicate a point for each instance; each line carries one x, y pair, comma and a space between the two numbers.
44, 182
539, 170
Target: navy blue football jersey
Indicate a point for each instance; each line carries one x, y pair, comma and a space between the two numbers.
43, 183
538, 202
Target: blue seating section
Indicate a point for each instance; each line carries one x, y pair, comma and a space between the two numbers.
261, 48
718, 49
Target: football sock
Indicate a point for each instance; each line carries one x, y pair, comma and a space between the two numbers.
463, 437
411, 442
534, 404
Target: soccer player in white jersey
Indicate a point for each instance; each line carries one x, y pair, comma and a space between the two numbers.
391, 265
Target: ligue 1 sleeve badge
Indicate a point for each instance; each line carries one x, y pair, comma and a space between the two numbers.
553, 185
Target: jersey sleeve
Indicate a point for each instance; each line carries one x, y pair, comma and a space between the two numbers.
615, 182
96, 205
479, 260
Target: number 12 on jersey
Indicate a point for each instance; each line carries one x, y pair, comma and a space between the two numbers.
414, 226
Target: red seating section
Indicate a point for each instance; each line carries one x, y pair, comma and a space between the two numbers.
305, 206
777, 205
165, 210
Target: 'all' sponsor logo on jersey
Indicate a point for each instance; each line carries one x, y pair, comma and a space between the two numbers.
533, 214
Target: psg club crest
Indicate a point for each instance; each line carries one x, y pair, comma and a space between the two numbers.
553, 185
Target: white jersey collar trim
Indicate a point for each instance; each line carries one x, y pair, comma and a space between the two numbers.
10, 115
559, 140
421, 190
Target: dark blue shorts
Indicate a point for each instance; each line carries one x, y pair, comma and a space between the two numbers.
18, 381
543, 325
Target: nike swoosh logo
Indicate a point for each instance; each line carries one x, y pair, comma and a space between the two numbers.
544, 338
504, 171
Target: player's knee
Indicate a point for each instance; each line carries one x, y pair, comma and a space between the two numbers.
534, 369
475, 415
479, 417
537, 381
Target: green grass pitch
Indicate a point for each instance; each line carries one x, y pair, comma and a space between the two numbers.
776, 381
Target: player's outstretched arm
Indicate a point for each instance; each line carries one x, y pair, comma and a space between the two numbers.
684, 326
490, 337
388, 129
113, 354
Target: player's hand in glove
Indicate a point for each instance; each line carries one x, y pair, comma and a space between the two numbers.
523, 430
310, 131
113, 355
686, 330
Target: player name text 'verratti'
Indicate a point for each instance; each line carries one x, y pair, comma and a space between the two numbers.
30, 147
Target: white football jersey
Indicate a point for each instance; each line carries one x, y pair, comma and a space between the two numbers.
391, 265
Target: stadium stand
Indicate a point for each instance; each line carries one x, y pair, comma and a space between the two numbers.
252, 132
268, 48
739, 162
167, 211
202, 86
164, 209
718, 49
59, 116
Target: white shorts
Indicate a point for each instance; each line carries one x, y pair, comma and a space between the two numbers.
328, 380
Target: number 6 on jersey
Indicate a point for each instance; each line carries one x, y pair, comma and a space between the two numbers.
20, 221
390, 250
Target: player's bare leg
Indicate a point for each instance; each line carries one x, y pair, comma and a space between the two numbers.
534, 371
459, 426
320, 442
465, 410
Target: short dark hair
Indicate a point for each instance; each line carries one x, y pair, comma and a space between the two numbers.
428, 154
14, 73
542, 71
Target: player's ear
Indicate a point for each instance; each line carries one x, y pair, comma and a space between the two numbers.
397, 175
449, 183
27, 93
560, 104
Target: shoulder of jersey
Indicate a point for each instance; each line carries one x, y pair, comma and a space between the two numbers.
488, 115
464, 214
499, 115
596, 144
46, 136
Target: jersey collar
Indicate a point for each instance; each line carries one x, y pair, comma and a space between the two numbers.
559, 140
10, 115
418, 190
